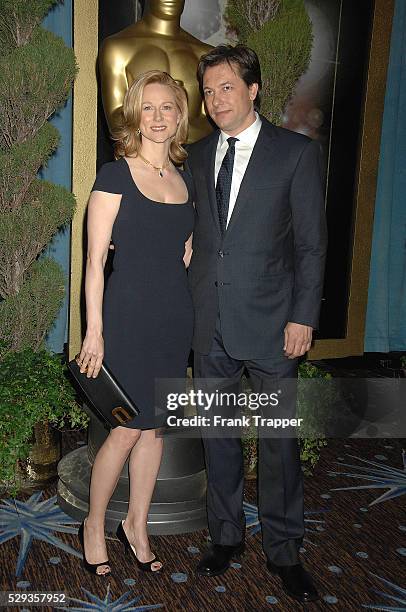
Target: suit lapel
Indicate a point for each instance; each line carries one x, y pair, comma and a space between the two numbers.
209, 163
260, 162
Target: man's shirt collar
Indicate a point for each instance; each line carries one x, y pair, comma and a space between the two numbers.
247, 137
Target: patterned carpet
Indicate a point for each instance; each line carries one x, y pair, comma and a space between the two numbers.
355, 547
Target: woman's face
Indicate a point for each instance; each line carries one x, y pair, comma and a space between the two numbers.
159, 113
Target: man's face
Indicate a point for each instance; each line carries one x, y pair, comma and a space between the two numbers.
229, 101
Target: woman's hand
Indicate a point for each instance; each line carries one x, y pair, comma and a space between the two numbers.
188, 251
91, 354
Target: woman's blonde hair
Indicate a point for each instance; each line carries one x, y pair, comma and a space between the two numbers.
127, 139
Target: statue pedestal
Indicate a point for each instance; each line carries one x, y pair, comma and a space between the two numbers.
179, 499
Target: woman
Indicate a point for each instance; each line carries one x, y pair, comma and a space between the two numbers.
142, 326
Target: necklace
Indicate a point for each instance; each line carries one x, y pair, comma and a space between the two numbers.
159, 168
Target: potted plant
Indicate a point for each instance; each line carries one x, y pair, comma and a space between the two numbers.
36, 74
314, 404
36, 400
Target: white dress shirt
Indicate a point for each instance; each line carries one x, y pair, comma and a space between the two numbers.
243, 149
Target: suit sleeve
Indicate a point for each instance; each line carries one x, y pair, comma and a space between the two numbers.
189, 179
310, 236
186, 163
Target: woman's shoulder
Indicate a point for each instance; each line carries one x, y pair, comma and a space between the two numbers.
111, 177
113, 167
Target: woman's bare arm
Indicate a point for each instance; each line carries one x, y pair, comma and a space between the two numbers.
102, 211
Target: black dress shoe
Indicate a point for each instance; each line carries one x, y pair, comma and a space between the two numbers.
296, 581
216, 559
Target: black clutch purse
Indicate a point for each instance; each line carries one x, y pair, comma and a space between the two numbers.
104, 396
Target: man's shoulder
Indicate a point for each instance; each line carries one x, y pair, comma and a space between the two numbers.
203, 142
196, 149
285, 136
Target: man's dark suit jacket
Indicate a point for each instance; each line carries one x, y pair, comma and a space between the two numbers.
268, 268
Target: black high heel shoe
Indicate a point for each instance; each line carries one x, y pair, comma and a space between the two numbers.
90, 567
145, 567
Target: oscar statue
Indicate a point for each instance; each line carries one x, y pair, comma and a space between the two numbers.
156, 42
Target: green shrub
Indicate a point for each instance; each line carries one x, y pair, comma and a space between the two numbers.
33, 387
36, 75
280, 31
313, 406
314, 403
26, 316
18, 18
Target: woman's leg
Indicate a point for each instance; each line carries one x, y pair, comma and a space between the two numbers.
106, 471
144, 463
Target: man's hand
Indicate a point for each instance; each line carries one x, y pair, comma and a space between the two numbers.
298, 339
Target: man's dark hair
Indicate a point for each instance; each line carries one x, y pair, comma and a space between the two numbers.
245, 58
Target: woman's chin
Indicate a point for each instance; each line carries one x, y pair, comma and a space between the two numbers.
158, 137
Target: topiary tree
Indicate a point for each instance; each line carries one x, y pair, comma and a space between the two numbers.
280, 31
36, 74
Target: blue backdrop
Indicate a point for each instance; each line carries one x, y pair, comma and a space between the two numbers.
59, 170
386, 313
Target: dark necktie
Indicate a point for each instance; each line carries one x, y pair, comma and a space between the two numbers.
223, 185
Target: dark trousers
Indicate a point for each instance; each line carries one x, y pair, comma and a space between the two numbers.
280, 482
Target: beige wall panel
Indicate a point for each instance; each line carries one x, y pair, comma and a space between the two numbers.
84, 149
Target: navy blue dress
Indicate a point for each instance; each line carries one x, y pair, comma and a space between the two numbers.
147, 306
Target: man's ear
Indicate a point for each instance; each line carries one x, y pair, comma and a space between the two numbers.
253, 90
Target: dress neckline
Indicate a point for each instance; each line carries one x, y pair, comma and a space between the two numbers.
149, 199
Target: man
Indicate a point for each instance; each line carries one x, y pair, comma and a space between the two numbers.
256, 279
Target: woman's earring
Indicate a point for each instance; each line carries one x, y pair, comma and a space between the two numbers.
138, 132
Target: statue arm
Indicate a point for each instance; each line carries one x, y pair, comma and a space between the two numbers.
113, 80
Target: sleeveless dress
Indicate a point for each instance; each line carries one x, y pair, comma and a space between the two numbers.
147, 306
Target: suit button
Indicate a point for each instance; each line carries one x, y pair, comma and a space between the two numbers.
215, 283
221, 254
